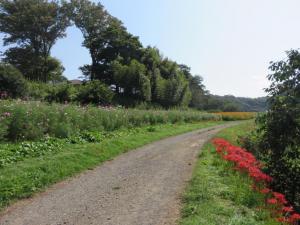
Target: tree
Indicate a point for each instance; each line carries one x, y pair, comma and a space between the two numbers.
92, 20
230, 107
28, 64
173, 92
151, 58
34, 26
198, 92
105, 37
279, 128
132, 79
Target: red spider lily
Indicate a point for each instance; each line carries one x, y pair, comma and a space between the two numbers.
294, 218
245, 162
282, 220
287, 209
272, 201
265, 191
280, 197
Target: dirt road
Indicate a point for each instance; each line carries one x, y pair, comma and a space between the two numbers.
141, 187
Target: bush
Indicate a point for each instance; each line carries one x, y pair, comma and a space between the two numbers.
95, 92
12, 81
39, 91
62, 93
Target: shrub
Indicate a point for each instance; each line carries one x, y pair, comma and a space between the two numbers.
279, 129
12, 81
38, 90
95, 92
62, 93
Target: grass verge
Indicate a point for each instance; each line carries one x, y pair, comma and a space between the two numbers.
22, 179
219, 195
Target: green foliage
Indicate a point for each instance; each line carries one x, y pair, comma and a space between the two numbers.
25, 60
132, 79
35, 120
62, 93
95, 92
34, 26
198, 91
105, 37
171, 91
277, 139
38, 90
14, 153
231, 107
12, 82
229, 103
91, 19
118, 59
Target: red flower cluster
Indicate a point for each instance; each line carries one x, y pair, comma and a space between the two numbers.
245, 162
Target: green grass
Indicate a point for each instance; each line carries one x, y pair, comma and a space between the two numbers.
22, 179
219, 195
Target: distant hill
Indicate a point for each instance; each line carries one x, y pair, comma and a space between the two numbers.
243, 103
230, 103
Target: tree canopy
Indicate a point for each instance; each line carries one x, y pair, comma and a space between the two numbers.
119, 61
33, 26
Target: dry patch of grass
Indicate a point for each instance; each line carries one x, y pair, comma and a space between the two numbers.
229, 116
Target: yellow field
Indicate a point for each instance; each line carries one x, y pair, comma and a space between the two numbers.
237, 115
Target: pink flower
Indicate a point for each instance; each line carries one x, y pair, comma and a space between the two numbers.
7, 114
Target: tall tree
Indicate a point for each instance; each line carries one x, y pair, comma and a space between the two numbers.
28, 64
34, 26
172, 86
119, 43
105, 37
151, 58
133, 80
92, 20
198, 92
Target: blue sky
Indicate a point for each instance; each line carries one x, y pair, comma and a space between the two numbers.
228, 42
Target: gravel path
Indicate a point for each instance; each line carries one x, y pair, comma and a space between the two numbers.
141, 187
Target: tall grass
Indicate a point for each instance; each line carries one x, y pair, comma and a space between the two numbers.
21, 120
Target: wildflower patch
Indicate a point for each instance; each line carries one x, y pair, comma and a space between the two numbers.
246, 163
